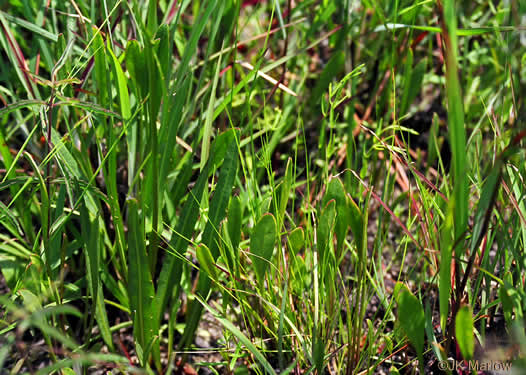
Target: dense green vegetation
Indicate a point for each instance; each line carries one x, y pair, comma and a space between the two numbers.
261, 186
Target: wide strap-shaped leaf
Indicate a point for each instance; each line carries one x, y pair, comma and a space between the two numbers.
464, 331
140, 286
217, 213
411, 317
262, 244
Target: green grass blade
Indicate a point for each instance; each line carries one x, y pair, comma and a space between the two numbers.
122, 86
172, 113
240, 336
206, 261
457, 32
457, 217
234, 223
285, 190
27, 103
456, 130
140, 287
17, 59
101, 316
207, 131
44, 211
172, 266
219, 202
210, 237
31, 27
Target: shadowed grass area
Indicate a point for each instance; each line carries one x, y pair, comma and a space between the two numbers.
275, 186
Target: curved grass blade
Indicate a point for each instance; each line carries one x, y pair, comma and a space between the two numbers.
21, 104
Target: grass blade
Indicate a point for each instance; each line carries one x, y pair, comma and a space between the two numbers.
140, 287
31, 27
240, 336
457, 218
210, 237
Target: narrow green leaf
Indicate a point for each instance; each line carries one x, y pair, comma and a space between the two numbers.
456, 130
459, 32
31, 27
151, 17
457, 217
408, 71
207, 130
487, 199
234, 227
204, 256
285, 190
21, 104
172, 266
44, 211
91, 107
430, 333
509, 298
164, 53
412, 85
7, 217
122, 86
101, 317
140, 287
90, 231
219, 202
64, 57
240, 336
210, 236
172, 111
17, 59
446, 255
100, 70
